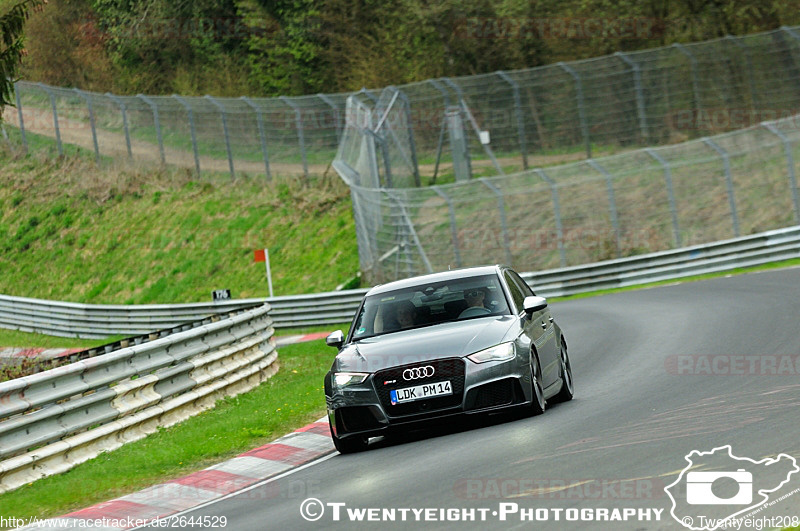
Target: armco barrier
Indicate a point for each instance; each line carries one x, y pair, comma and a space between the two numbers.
99, 321
53, 420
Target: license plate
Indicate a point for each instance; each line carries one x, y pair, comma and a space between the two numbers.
420, 392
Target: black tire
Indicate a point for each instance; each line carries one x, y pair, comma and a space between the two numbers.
538, 403
567, 383
350, 445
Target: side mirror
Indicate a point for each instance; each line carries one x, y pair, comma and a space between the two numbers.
534, 304
335, 339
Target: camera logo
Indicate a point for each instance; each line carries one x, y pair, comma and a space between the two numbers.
699, 488
716, 487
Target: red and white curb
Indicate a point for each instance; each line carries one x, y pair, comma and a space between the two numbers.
14, 353
288, 340
293, 450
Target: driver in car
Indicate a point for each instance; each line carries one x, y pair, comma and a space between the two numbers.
474, 298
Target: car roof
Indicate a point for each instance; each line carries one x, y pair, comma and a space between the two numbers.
436, 277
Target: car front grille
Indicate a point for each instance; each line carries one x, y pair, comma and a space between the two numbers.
452, 369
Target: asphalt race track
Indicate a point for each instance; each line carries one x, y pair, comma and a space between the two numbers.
658, 373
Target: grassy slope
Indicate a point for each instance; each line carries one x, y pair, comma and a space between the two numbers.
71, 231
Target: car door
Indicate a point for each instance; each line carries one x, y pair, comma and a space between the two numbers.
542, 331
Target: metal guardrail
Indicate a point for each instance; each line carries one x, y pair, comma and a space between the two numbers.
54, 420
98, 321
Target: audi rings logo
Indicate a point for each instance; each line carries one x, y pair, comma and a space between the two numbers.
418, 372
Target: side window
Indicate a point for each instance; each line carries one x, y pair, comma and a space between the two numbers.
516, 292
526, 290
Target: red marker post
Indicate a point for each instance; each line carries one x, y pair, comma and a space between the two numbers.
262, 255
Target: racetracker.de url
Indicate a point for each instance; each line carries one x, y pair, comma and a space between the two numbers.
313, 510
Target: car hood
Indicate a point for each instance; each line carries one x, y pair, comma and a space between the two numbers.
447, 340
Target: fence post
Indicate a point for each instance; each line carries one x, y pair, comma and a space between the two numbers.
637, 85
411, 229
157, 123
336, 118
261, 134
501, 207
88, 101
298, 119
520, 118
224, 132
747, 57
787, 148
673, 210
21, 120
581, 107
412, 143
557, 213
439, 147
385, 152
368, 94
124, 112
728, 181
453, 228
55, 116
612, 203
190, 114
474, 123
695, 87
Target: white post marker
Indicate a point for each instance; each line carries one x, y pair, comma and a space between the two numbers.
262, 255
269, 274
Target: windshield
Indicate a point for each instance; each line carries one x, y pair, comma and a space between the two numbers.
430, 304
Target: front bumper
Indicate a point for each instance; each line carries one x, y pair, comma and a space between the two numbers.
366, 409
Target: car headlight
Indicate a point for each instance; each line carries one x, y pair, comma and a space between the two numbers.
501, 352
343, 379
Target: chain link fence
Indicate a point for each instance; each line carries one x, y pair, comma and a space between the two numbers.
533, 117
641, 201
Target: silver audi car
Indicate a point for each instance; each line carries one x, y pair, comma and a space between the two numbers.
460, 342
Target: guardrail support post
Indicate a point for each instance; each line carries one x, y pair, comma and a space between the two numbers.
673, 209
157, 124
612, 203
557, 212
298, 119
501, 208
190, 115
124, 112
637, 85
693, 63
337, 121
21, 119
520, 118
261, 134
581, 107
55, 117
728, 182
224, 132
787, 149
453, 228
